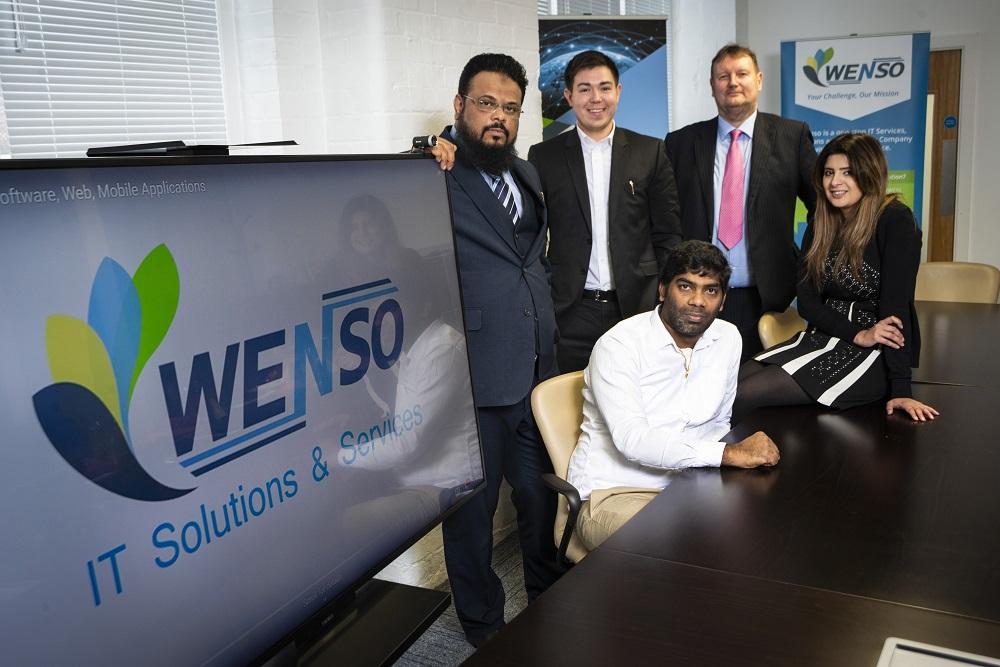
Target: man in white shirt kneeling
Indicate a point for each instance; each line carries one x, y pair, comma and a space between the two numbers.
658, 394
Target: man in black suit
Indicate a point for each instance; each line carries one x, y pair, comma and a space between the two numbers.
748, 210
613, 213
500, 231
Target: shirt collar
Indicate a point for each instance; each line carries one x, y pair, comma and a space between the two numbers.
661, 337
591, 144
725, 127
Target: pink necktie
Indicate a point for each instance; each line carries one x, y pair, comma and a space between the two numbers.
731, 207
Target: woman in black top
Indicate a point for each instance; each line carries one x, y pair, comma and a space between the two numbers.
856, 280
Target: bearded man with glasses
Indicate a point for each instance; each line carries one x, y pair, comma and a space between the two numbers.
500, 231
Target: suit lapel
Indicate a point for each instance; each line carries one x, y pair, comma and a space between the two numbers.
471, 181
620, 154
578, 174
533, 201
528, 181
704, 153
763, 144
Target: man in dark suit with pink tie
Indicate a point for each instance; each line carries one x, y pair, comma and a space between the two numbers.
738, 176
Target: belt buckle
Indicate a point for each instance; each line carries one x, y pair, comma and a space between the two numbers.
602, 296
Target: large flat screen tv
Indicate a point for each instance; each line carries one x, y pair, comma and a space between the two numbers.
232, 390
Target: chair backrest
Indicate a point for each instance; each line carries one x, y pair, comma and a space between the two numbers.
557, 404
773, 328
958, 281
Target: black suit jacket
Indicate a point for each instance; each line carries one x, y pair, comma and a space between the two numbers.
780, 170
509, 317
643, 220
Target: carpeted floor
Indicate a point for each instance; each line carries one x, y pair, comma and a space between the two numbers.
443, 644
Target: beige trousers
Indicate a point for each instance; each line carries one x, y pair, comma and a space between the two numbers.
607, 510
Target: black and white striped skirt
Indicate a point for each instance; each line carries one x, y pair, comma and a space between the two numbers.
832, 371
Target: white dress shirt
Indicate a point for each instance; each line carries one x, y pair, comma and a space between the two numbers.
644, 414
597, 163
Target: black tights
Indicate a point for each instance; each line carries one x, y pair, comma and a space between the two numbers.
760, 385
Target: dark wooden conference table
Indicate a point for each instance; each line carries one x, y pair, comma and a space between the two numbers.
872, 526
960, 343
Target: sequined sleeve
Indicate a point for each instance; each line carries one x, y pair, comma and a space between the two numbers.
812, 307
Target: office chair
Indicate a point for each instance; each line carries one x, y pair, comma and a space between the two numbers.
774, 328
557, 404
967, 282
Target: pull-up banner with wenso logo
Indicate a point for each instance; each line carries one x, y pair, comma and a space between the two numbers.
876, 85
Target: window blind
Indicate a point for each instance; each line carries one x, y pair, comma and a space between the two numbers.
604, 8
82, 73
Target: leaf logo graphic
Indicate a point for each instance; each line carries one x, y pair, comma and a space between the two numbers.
814, 62
95, 365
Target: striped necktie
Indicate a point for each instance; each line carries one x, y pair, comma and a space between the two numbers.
505, 197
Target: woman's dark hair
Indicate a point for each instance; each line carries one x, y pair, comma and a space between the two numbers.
699, 258
849, 231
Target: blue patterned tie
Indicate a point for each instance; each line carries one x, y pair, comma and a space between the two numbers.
506, 197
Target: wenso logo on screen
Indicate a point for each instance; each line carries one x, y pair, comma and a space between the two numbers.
95, 366
861, 76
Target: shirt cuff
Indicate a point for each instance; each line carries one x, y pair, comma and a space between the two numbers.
707, 453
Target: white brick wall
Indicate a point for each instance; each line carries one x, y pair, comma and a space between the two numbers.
348, 77
253, 107
698, 30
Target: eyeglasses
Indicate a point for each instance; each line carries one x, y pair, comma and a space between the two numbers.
489, 105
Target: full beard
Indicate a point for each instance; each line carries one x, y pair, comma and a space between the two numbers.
491, 158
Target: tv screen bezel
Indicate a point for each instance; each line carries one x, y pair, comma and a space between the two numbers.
312, 627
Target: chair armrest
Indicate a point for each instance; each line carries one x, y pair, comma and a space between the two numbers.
564, 488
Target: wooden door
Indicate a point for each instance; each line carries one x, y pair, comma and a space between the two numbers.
944, 82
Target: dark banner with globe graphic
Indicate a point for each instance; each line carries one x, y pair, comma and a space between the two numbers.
638, 46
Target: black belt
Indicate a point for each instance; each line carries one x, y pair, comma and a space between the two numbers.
600, 295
